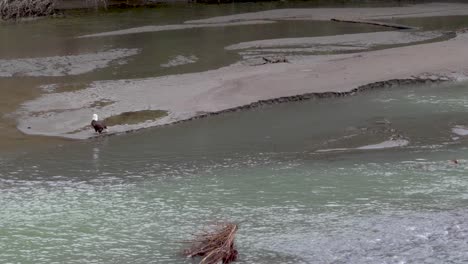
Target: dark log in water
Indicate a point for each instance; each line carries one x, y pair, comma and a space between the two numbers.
371, 22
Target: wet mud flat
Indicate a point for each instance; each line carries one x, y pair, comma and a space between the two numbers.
357, 206
317, 174
310, 68
239, 85
144, 192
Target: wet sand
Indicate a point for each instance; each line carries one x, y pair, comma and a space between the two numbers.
62, 65
371, 13
27, 88
187, 95
270, 16
362, 40
145, 29
14, 140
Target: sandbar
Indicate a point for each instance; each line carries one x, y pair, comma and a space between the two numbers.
187, 96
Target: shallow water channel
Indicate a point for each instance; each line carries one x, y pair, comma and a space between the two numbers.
134, 198
47, 56
65, 62
309, 182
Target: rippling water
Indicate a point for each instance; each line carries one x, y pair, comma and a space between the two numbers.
134, 198
292, 175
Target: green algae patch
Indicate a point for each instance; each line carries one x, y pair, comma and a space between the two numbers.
131, 118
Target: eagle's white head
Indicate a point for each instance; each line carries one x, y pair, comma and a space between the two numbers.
95, 117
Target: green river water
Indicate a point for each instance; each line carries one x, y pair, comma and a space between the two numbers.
295, 176
134, 198
58, 37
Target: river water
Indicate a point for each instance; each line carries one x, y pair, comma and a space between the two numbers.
134, 198
132, 56
308, 182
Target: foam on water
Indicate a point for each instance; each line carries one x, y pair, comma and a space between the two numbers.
404, 237
383, 145
386, 144
291, 210
460, 130
180, 60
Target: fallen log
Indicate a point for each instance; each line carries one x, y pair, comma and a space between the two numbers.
372, 22
274, 60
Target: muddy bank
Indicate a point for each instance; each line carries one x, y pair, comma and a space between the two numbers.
252, 51
325, 95
242, 86
368, 13
352, 15
122, 127
362, 40
62, 65
239, 86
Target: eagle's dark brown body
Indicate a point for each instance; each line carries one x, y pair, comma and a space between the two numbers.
98, 126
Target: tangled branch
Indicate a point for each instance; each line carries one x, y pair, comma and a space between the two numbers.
216, 246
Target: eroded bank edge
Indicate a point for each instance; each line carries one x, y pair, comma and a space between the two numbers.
432, 79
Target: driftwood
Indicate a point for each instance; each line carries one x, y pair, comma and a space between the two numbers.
215, 246
15, 9
278, 59
372, 22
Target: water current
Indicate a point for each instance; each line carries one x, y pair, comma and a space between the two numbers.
379, 177
134, 198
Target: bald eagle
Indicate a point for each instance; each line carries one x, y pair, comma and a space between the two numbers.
98, 126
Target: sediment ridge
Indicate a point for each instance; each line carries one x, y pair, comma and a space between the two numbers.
303, 97
239, 87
